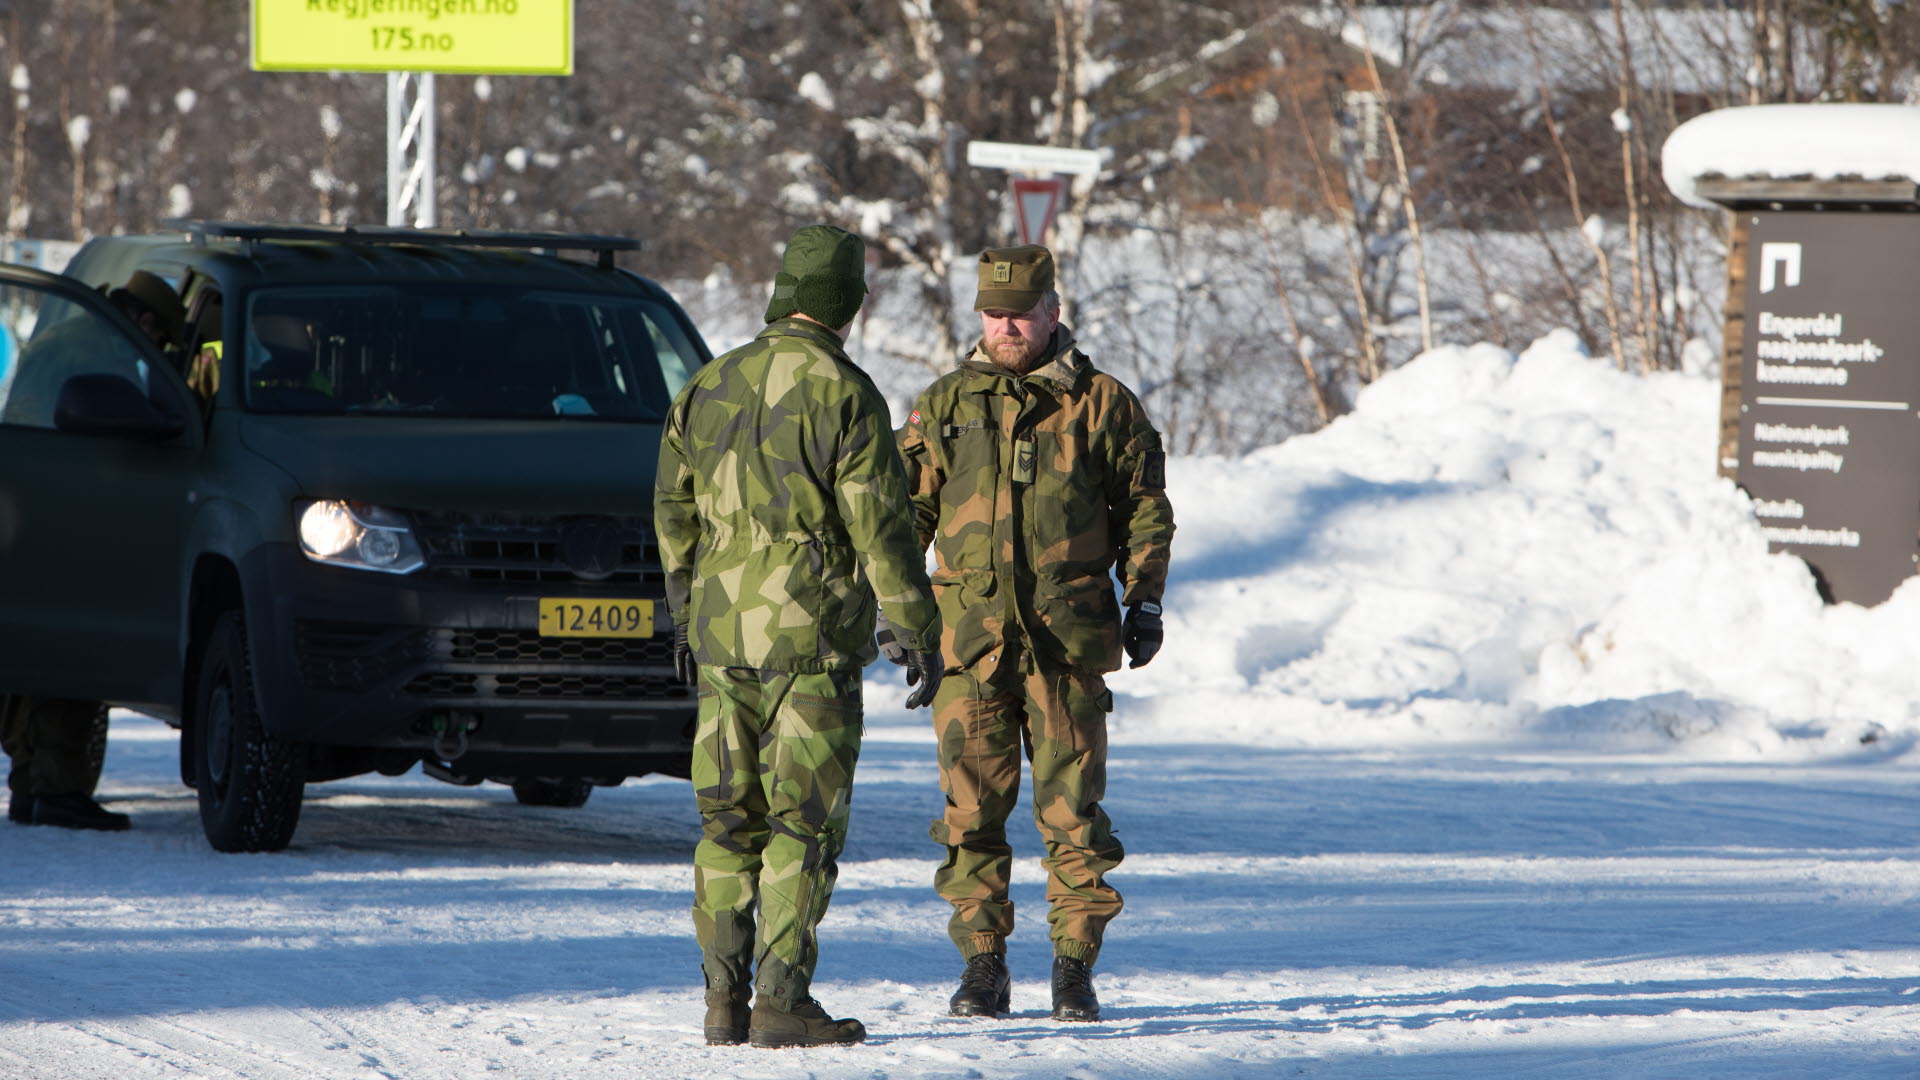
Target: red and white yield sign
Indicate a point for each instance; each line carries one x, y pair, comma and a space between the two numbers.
1035, 201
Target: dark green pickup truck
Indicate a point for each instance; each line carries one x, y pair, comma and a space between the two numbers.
384, 499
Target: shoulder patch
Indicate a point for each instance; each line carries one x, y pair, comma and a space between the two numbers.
1153, 470
914, 417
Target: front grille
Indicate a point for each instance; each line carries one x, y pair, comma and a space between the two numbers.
547, 686
525, 646
442, 684
588, 686
527, 549
354, 657
477, 664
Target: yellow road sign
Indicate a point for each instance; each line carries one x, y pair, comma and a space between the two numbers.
468, 37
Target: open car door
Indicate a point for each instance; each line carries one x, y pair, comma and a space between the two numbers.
99, 438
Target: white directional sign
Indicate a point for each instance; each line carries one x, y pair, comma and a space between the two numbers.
1021, 157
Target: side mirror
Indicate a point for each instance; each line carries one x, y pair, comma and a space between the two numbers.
110, 405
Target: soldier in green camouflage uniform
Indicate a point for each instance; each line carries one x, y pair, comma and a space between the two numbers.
1037, 479
783, 514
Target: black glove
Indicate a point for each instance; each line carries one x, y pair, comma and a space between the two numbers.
683, 664
1140, 635
926, 669
890, 646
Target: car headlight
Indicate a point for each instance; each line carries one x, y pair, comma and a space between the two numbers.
357, 535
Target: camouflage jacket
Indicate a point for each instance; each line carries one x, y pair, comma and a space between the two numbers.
1034, 491
782, 510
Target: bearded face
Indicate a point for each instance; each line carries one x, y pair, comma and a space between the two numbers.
1016, 340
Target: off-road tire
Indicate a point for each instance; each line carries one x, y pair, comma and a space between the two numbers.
250, 783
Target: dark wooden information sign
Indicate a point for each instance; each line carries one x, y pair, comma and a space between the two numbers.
1830, 394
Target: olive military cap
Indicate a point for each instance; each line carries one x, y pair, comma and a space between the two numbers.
1014, 279
822, 275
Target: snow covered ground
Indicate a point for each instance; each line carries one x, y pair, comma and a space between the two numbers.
1487, 740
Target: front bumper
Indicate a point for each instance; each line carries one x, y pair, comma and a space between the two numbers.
356, 659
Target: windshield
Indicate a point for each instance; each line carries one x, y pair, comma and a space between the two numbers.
468, 351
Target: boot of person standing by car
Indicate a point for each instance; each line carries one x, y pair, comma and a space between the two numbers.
57, 748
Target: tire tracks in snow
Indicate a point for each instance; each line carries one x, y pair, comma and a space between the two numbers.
250, 1044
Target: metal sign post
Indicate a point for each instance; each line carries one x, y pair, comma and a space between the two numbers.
873, 283
410, 143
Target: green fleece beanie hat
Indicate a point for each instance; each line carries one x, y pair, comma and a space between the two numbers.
823, 276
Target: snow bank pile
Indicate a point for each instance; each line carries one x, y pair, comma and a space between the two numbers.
1494, 547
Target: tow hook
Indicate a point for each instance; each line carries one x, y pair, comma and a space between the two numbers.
450, 735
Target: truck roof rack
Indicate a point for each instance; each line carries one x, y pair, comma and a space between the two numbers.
602, 246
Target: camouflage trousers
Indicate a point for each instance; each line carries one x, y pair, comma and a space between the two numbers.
773, 768
984, 719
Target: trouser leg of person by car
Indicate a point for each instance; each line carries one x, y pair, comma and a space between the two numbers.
983, 720
726, 873
977, 728
56, 747
1067, 728
773, 767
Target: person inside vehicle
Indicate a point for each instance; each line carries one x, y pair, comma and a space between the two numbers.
83, 344
203, 368
285, 368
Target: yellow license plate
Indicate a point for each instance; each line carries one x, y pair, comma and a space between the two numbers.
595, 618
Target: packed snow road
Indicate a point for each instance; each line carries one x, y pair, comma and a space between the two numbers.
1289, 912
1488, 740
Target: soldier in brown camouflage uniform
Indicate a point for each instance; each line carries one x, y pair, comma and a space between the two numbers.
1037, 479
783, 515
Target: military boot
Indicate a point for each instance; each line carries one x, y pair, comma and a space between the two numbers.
20, 808
727, 1016
984, 987
728, 974
1073, 997
806, 1024
76, 812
